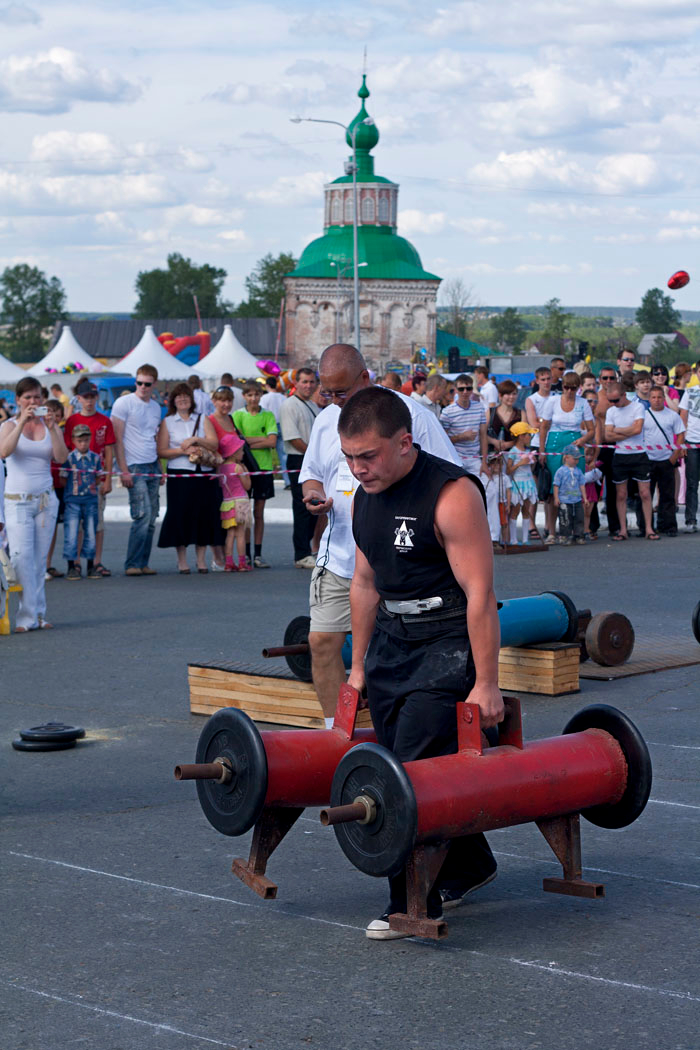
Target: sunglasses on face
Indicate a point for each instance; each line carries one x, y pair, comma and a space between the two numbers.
464, 389
613, 400
142, 382
568, 386
627, 359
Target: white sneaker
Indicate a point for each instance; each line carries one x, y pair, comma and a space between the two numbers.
550, 540
309, 562
215, 567
379, 930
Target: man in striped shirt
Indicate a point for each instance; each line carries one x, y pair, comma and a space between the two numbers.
465, 425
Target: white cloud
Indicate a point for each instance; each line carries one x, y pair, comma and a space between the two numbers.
194, 215
233, 236
563, 212
292, 189
18, 14
679, 233
64, 151
542, 268
546, 167
82, 194
479, 228
683, 216
53, 81
413, 221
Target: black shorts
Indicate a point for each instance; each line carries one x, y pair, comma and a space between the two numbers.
262, 486
631, 466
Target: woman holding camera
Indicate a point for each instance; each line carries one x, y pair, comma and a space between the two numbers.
28, 443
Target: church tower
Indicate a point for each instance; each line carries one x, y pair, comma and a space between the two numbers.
398, 298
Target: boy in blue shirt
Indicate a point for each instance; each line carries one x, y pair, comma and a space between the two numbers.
570, 497
83, 472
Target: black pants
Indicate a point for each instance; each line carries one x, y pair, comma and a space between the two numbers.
605, 455
303, 522
663, 477
571, 520
417, 672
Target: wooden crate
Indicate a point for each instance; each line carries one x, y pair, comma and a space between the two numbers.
551, 669
267, 696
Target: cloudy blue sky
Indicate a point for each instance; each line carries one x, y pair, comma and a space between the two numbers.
543, 149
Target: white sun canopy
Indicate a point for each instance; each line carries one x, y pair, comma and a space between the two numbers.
229, 356
66, 352
148, 351
9, 372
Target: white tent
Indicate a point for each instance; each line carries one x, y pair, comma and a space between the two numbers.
148, 351
9, 372
229, 356
66, 352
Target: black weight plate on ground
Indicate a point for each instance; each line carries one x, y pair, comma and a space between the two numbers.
610, 639
572, 612
52, 731
696, 622
234, 807
639, 777
296, 633
382, 846
43, 745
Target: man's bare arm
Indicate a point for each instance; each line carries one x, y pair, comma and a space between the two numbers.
364, 601
462, 526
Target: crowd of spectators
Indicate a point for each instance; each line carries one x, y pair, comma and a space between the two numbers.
592, 451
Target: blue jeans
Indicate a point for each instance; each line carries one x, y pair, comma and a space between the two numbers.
144, 504
80, 510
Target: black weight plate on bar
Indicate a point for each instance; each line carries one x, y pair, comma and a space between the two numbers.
52, 731
610, 639
43, 745
296, 633
696, 622
382, 846
572, 613
234, 807
639, 775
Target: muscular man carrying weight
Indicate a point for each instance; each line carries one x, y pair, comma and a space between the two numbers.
424, 616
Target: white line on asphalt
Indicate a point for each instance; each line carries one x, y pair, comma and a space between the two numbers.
603, 871
120, 1017
682, 805
552, 968
683, 747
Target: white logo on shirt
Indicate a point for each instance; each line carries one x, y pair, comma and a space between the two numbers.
403, 537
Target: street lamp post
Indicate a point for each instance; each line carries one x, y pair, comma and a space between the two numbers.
356, 266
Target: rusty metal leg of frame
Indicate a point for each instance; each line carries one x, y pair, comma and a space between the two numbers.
422, 869
564, 837
273, 825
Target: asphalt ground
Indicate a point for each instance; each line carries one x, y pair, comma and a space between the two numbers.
123, 928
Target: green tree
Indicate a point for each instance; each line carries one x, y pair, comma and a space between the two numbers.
170, 293
656, 314
556, 328
31, 303
508, 328
265, 286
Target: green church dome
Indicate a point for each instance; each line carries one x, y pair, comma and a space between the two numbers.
386, 255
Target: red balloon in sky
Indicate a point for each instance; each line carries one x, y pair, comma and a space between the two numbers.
678, 280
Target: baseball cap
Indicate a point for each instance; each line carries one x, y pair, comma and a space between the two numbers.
85, 388
82, 430
571, 450
522, 428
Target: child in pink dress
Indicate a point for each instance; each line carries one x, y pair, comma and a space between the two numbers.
235, 507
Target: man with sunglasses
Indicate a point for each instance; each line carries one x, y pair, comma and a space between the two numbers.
102, 441
136, 419
625, 361
624, 422
557, 367
607, 377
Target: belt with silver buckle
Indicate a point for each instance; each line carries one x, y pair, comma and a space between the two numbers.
413, 606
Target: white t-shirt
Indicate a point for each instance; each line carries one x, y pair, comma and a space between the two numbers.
324, 462
670, 422
565, 422
272, 402
539, 401
141, 421
691, 402
625, 417
488, 395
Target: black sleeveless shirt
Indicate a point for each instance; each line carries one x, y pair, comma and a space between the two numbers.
395, 530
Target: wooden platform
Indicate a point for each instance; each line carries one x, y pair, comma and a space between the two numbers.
265, 695
551, 669
649, 655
